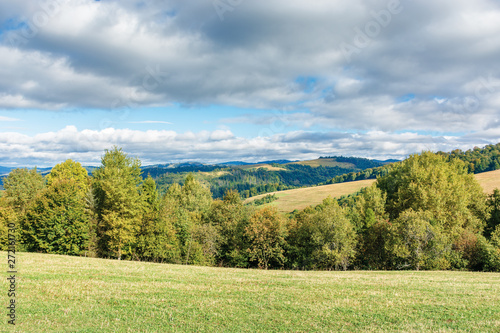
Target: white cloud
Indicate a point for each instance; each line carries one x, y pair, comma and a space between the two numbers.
97, 53
137, 54
162, 146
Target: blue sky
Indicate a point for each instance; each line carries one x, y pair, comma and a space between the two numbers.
215, 81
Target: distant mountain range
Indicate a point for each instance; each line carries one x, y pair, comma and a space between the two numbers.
5, 170
386, 161
290, 174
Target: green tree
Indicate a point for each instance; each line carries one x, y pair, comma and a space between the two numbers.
191, 203
266, 232
156, 239
375, 251
22, 186
414, 232
493, 263
301, 244
367, 208
494, 206
334, 237
428, 182
230, 218
417, 243
118, 203
8, 215
195, 197
56, 221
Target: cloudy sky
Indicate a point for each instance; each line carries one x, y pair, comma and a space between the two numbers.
223, 80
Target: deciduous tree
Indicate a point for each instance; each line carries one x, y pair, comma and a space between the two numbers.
118, 202
267, 233
56, 221
428, 182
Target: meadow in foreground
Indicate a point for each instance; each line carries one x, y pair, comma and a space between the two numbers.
75, 294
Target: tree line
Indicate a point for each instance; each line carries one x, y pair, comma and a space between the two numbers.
252, 182
427, 212
477, 160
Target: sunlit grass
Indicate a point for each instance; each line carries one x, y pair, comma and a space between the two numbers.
326, 162
72, 294
300, 198
489, 180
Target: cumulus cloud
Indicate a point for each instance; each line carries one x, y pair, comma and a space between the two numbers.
179, 52
162, 146
382, 66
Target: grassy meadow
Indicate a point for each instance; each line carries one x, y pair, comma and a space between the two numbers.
326, 162
268, 167
75, 294
489, 180
300, 198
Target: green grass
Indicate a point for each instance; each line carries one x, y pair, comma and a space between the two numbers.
73, 294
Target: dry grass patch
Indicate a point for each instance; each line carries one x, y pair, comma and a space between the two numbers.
268, 167
300, 198
489, 180
326, 162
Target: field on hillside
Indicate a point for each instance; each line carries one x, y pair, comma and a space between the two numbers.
268, 167
300, 198
74, 294
489, 180
326, 162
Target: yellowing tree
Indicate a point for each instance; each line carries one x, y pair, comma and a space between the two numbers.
70, 171
118, 203
267, 233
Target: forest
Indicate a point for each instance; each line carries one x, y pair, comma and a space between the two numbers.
251, 181
424, 213
477, 160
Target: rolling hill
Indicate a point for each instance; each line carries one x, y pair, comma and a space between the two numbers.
489, 180
301, 198
327, 162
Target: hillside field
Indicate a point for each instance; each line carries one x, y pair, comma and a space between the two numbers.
326, 162
300, 198
266, 166
76, 294
489, 180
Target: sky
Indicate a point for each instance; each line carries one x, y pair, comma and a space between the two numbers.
249, 80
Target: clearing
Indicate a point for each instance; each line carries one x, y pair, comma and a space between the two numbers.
75, 294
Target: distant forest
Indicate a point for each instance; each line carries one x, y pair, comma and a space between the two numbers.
477, 160
250, 181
